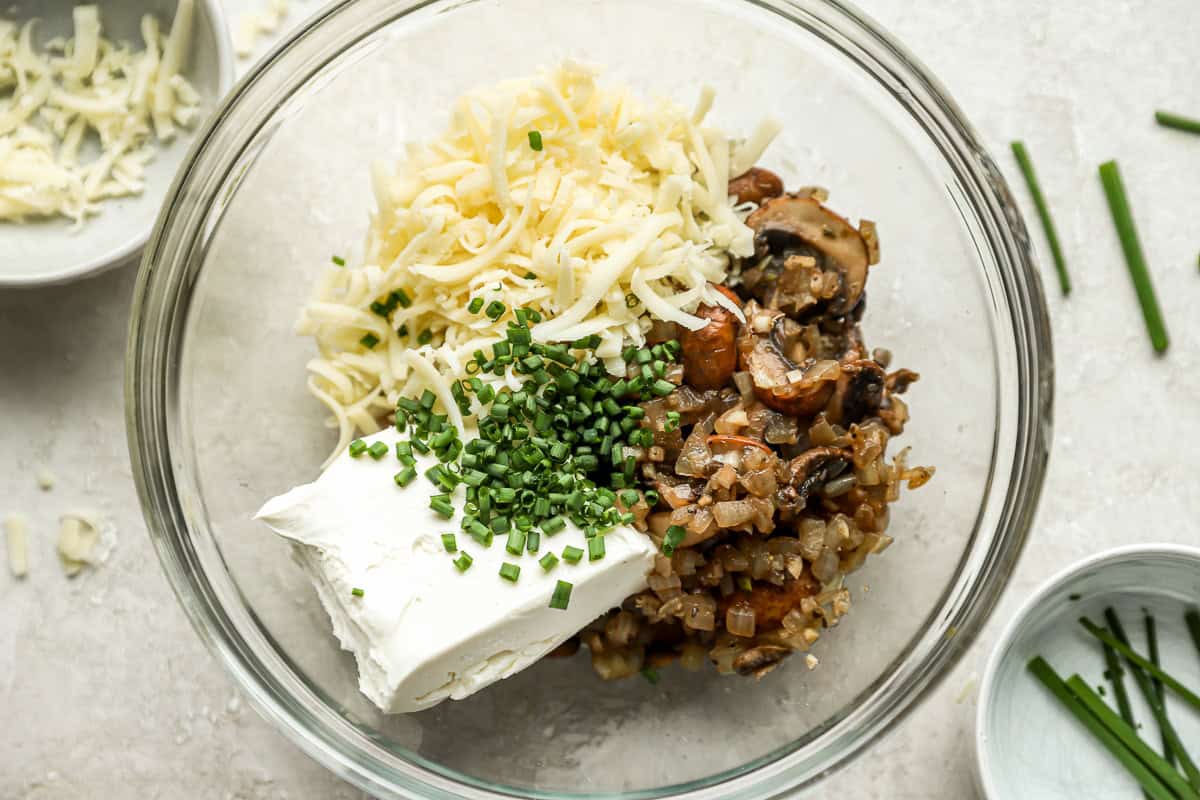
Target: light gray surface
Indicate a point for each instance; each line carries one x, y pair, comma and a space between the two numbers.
106, 691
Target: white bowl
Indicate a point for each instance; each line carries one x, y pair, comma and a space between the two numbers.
49, 251
1027, 746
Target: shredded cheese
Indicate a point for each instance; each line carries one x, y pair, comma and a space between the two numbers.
253, 24
53, 100
622, 215
16, 533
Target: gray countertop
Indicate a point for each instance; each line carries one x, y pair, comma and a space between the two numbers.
105, 691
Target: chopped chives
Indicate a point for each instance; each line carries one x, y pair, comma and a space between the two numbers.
357, 448
595, 548
406, 476
369, 341
533, 539
1179, 123
744, 583
449, 542
475, 305
442, 506
548, 561
341, 262
495, 310
651, 675
553, 525
562, 595
425, 336
357, 592
510, 572
572, 555
1118, 204
401, 297
463, 562
672, 539
516, 542
535, 140
378, 450
1043, 210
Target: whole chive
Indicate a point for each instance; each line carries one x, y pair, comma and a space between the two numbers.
449, 542
377, 450
369, 341
510, 572
1128, 736
1169, 120
495, 310
651, 674
1159, 691
341, 262
1050, 679
535, 140
357, 592
562, 595
595, 548
548, 561
357, 448
572, 555
463, 562
672, 538
516, 542
1043, 210
405, 476
1118, 204
1192, 619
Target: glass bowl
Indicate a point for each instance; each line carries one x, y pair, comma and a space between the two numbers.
219, 419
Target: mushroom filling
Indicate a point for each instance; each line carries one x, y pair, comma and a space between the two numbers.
767, 480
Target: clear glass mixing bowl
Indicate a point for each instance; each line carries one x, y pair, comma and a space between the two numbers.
219, 418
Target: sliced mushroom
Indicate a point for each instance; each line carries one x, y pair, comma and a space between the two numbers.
755, 185
809, 471
780, 383
771, 603
859, 392
709, 355
784, 222
758, 661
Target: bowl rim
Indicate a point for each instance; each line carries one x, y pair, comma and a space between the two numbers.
984, 766
214, 15
966, 604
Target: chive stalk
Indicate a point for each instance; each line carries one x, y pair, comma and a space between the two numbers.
1118, 204
1192, 620
1043, 210
1159, 691
1179, 123
1111, 741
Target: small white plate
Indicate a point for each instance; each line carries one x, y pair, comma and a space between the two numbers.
43, 252
1027, 746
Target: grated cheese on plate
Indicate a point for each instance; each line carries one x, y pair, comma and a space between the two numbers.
53, 100
16, 534
621, 215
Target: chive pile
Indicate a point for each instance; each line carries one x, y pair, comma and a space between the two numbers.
1118, 731
552, 450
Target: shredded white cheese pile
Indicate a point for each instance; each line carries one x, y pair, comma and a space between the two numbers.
622, 215
53, 100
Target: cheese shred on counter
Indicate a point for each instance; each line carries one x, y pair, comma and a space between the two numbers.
555, 193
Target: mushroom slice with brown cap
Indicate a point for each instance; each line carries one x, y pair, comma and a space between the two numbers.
709, 355
798, 390
804, 219
859, 392
755, 185
810, 470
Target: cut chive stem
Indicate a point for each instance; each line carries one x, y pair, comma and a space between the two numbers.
1128, 736
1144, 776
1138, 666
1179, 123
1043, 210
1116, 677
1159, 691
1118, 204
1192, 620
